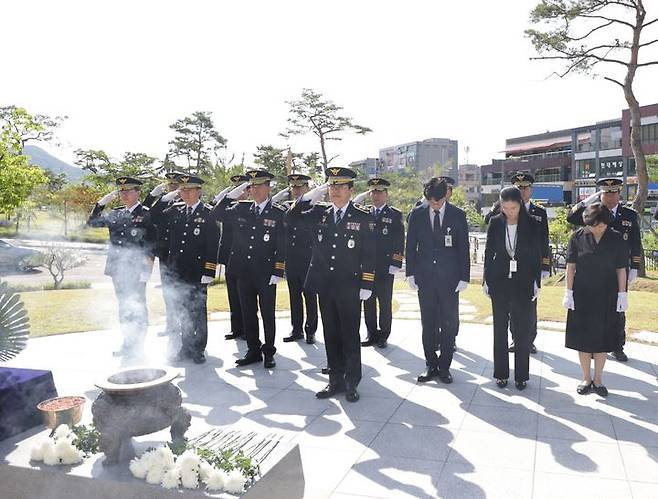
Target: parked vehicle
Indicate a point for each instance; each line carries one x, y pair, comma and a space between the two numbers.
14, 257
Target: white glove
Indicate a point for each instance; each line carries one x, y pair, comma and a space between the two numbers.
144, 276
632, 275
364, 294
424, 202
622, 302
206, 279
236, 192
170, 196
107, 198
535, 291
281, 195
461, 286
545, 274
591, 199
314, 196
275, 279
392, 269
567, 301
159, 189
222, 195
412, 282
485, 288
361, 197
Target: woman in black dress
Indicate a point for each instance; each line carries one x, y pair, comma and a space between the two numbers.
595, 294
512, 270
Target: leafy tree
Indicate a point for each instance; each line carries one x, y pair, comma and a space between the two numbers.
606, 35
473, 216
196, 141
27, 127
559, 230
321, 117
57, 260
56, 181
103, 170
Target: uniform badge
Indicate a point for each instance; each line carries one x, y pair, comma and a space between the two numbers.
387, 220
385, 230
266, 237
138, 219
319, 238
197, 231
133, 232
199, 220
625, 236
351, 244
269, 223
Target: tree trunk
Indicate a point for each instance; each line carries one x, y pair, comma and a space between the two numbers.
324, 152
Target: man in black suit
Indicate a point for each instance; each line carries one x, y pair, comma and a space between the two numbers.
257, 257
341, 272
438, 266
389, 250
299, 248
192, 262
129, 259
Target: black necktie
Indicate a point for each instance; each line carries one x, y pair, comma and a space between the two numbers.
339, 216
188, 211
437, 221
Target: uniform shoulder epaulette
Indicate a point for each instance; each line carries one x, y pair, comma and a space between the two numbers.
208, 206
245, 201
630, 211
395, 210
122, 207
178, 204
538, 206
279, 207
145, 208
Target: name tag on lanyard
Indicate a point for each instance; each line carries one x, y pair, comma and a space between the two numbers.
512, 268
448, 241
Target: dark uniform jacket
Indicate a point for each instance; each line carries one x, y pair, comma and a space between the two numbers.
389, 239
193, 241
299, 242
626, 223
429, 260
162, 229
528, 255
259, 242
132, 238
343, 254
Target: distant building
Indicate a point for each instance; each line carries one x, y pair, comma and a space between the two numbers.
371, 166
469, 179
422, 156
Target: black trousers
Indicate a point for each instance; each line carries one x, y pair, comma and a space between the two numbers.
439, 309
193, 313
237, 326
170, 297
516, 312
296, 274
533, 333
133, 314
382, 294
341, 317
256, 293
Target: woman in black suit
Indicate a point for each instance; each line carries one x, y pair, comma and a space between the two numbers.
512, 276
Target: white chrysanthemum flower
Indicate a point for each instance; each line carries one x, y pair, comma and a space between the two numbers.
205, 469
36, 453
235, 482
63, 432
171, 478
72, 455
49, 453
138, 468
216, 479
165, 456
189, 460
189, 478
155, 474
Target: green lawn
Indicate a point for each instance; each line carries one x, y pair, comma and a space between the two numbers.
46, 226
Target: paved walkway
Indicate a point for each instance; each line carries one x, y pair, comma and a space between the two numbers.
402, 439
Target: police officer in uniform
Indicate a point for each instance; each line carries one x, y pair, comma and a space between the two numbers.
438, 266
192, 260
129, 259
257, 257
625, 222
299, 245
237, 327
170, 190
342, 272
389, 249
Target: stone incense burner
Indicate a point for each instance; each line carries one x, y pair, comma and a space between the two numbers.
137, 401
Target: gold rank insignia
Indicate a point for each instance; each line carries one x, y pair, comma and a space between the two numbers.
185, 179
334, 171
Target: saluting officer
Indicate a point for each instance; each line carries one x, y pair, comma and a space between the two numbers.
626, 222
192, 261
537, 213
438, 266
389, 249
129, 259
299, 248
342, 272
237, 326
257, 257
166, 192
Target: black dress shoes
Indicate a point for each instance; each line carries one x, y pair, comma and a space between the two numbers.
325, 370
369, 342
511, 348
584, 388
233, 336
329, 391
432, 372
445, 376
269, 362
533, 349
293, 337
352, 395
250, 358
310, 338
199, 358
520, 385
620, 356
382, 344
600, 390
501, 383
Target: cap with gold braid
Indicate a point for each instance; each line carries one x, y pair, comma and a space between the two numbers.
127, 183
610, 184
522, 179
257, 177
298, 180
172, 176
189, 182
340, 175
239, 179
378, 184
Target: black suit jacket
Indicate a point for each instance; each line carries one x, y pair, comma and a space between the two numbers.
429, 260
528, 256
389, 239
